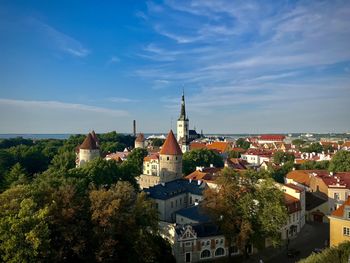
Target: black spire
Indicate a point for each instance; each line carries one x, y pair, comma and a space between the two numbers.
183, 111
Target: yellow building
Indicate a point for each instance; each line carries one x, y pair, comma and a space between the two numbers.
340, 224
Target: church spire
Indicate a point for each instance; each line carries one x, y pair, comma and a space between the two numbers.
183, 111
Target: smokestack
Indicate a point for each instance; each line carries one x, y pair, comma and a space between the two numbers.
134, 126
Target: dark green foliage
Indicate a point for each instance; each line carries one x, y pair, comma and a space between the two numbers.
280, 157
7, 143
157, 142
63, 161
340, 162
313, 165
135, 159
339, 254
298, 142
234, 154
313, 147
111, 147
242, 143
246, 207
126, 140
278, 173
200, 157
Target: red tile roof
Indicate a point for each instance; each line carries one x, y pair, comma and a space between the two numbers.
197, 145
340, 211
89, 143
272, 137
153, 156
170, 146
207, 174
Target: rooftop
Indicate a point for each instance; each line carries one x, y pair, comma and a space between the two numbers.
170, 146
194, 213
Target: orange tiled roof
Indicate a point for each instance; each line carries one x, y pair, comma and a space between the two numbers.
340, 211
219, 146
197, 145
170, 146
154, 156
207, 174
300, 176
346, 144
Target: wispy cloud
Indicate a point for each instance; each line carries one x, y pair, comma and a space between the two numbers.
113, 60
60, 40
121, 100
57, 105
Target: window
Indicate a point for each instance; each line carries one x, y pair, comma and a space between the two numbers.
176, 203
205, 253
348, 214
180, 201
336, 196
221, 241
346, 231
219, 252
216, 241
188, 257
208, 242
167, 158
188, 244
190, 200
172, 204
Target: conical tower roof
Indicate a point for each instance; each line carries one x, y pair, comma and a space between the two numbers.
170, 146
94, 136
89, 143
140, 137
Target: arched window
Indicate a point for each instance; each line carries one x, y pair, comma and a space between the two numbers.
205, 253
219, 252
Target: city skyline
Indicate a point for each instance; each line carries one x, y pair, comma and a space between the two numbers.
246, 67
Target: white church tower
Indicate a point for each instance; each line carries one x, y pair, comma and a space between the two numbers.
182, 133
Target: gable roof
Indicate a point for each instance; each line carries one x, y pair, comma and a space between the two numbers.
221, 147
194, 213
89, 143
272, 137
340, 211
170, 146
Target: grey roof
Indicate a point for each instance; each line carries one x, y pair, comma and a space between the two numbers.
194, 213
202, 229
312, 201
174, 188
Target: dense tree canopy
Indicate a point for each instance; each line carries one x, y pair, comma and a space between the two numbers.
280, 157
247, 207
313, 165
242, 143
200, 157
340, 162
313, 147
298, 142
339, 254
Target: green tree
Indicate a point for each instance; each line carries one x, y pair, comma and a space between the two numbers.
283, 157
242, 143
298, 142
340, 162
279, 173
63, 161
118, 208
313, 147
200, 157
157, 142
339, 254
17, 175
24, 233
246, 208
234, 154
135, 159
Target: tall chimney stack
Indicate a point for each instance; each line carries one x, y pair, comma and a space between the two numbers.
134, 126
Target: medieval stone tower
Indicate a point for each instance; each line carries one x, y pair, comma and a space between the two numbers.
140, 141
170, 160
89, 149
182, 132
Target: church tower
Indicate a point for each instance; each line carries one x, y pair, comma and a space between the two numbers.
182, 132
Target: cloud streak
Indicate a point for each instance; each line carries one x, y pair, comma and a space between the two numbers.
60, 40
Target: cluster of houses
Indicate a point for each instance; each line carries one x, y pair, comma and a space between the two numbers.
310, 195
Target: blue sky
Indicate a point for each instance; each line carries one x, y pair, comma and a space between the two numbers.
246, 66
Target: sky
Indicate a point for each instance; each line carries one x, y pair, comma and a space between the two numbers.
245, 66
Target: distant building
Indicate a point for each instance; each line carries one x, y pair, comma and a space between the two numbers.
182, 131
269, 138
88, 150
340, 224
140, 141
170, 164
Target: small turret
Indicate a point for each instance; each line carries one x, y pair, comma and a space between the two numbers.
88, 150
140, 141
